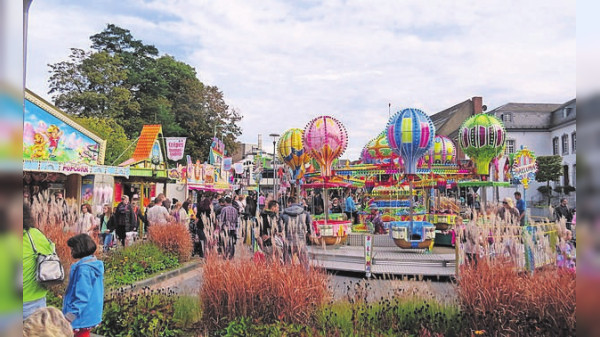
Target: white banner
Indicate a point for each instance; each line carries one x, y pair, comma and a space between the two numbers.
175, 147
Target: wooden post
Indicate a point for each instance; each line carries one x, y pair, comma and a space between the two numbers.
142, 196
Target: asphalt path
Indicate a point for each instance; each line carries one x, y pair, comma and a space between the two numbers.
342, 285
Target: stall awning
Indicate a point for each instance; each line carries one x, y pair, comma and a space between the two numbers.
71, 168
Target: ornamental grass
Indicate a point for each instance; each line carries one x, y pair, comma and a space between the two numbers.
174, 238
497, 298
265, 292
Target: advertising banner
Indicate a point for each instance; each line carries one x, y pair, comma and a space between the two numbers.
175, 147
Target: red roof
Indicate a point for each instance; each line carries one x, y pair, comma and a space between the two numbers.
144, 144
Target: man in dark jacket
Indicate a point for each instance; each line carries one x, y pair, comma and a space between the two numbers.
250, 211
564, 211
296, 224
125, 218
229, 223
269, 229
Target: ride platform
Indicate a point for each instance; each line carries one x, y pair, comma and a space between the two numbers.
387, 258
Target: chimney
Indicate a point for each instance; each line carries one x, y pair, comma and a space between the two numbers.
259, 142
477, 105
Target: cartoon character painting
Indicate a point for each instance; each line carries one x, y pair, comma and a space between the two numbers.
53, 133
50, 136
38, 149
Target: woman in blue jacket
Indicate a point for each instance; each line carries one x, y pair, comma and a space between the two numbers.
84, 297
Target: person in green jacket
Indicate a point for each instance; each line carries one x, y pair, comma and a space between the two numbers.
34, 294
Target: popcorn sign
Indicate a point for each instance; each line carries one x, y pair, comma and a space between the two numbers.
175, 147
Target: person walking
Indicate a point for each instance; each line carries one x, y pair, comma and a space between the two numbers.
158, 215
350, 208
124, 218
219, 206
269, 229
521, 207
204, 206
508, 212
297, 223
563, 211
34, 294
375, 219
141, 222
107, 227
229, 223
261, 202
85, 221
84, 297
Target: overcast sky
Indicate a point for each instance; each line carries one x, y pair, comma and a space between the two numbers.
282, 63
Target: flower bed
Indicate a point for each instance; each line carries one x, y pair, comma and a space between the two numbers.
158, 313
136, 262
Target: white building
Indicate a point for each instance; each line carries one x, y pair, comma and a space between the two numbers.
546, 129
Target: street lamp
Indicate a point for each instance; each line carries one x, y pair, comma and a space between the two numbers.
275, 136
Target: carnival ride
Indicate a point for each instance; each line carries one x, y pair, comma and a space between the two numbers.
399, 170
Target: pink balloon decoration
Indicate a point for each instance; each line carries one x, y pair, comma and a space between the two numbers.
325, 139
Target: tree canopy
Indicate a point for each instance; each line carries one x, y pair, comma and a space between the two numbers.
129, 83
118, 147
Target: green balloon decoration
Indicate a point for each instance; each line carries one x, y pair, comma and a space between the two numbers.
482, 138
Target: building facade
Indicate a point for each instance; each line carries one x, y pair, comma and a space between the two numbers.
546, 129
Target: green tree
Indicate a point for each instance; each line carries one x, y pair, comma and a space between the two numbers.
127, 80
92, 85
549, 169
117, 142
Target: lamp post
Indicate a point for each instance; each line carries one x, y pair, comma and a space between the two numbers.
275, 136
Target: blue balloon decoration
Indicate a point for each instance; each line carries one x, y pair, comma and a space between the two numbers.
410, 134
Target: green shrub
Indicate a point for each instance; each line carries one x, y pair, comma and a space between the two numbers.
145, 314
390, 317
244, 326
136, 262
187, 311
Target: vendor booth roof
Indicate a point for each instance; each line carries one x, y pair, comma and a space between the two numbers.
144, 144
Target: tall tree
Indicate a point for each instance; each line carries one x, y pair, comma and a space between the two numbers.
125, 79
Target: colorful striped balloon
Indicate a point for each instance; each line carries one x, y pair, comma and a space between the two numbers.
325, 139
443, 152
378, 152
482, 138
410, 134
291, 151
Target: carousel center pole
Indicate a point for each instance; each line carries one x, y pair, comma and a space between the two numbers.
410, 205
326, 201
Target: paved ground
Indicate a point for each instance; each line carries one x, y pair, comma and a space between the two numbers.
190, 283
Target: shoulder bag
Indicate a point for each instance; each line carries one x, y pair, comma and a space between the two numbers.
48, 269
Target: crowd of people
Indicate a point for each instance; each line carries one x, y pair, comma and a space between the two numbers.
478, 242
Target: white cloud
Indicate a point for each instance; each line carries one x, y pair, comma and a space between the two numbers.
283, 63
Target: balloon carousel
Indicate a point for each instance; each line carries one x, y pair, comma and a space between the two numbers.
410, 134
325, 139
291, 151
482, 137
